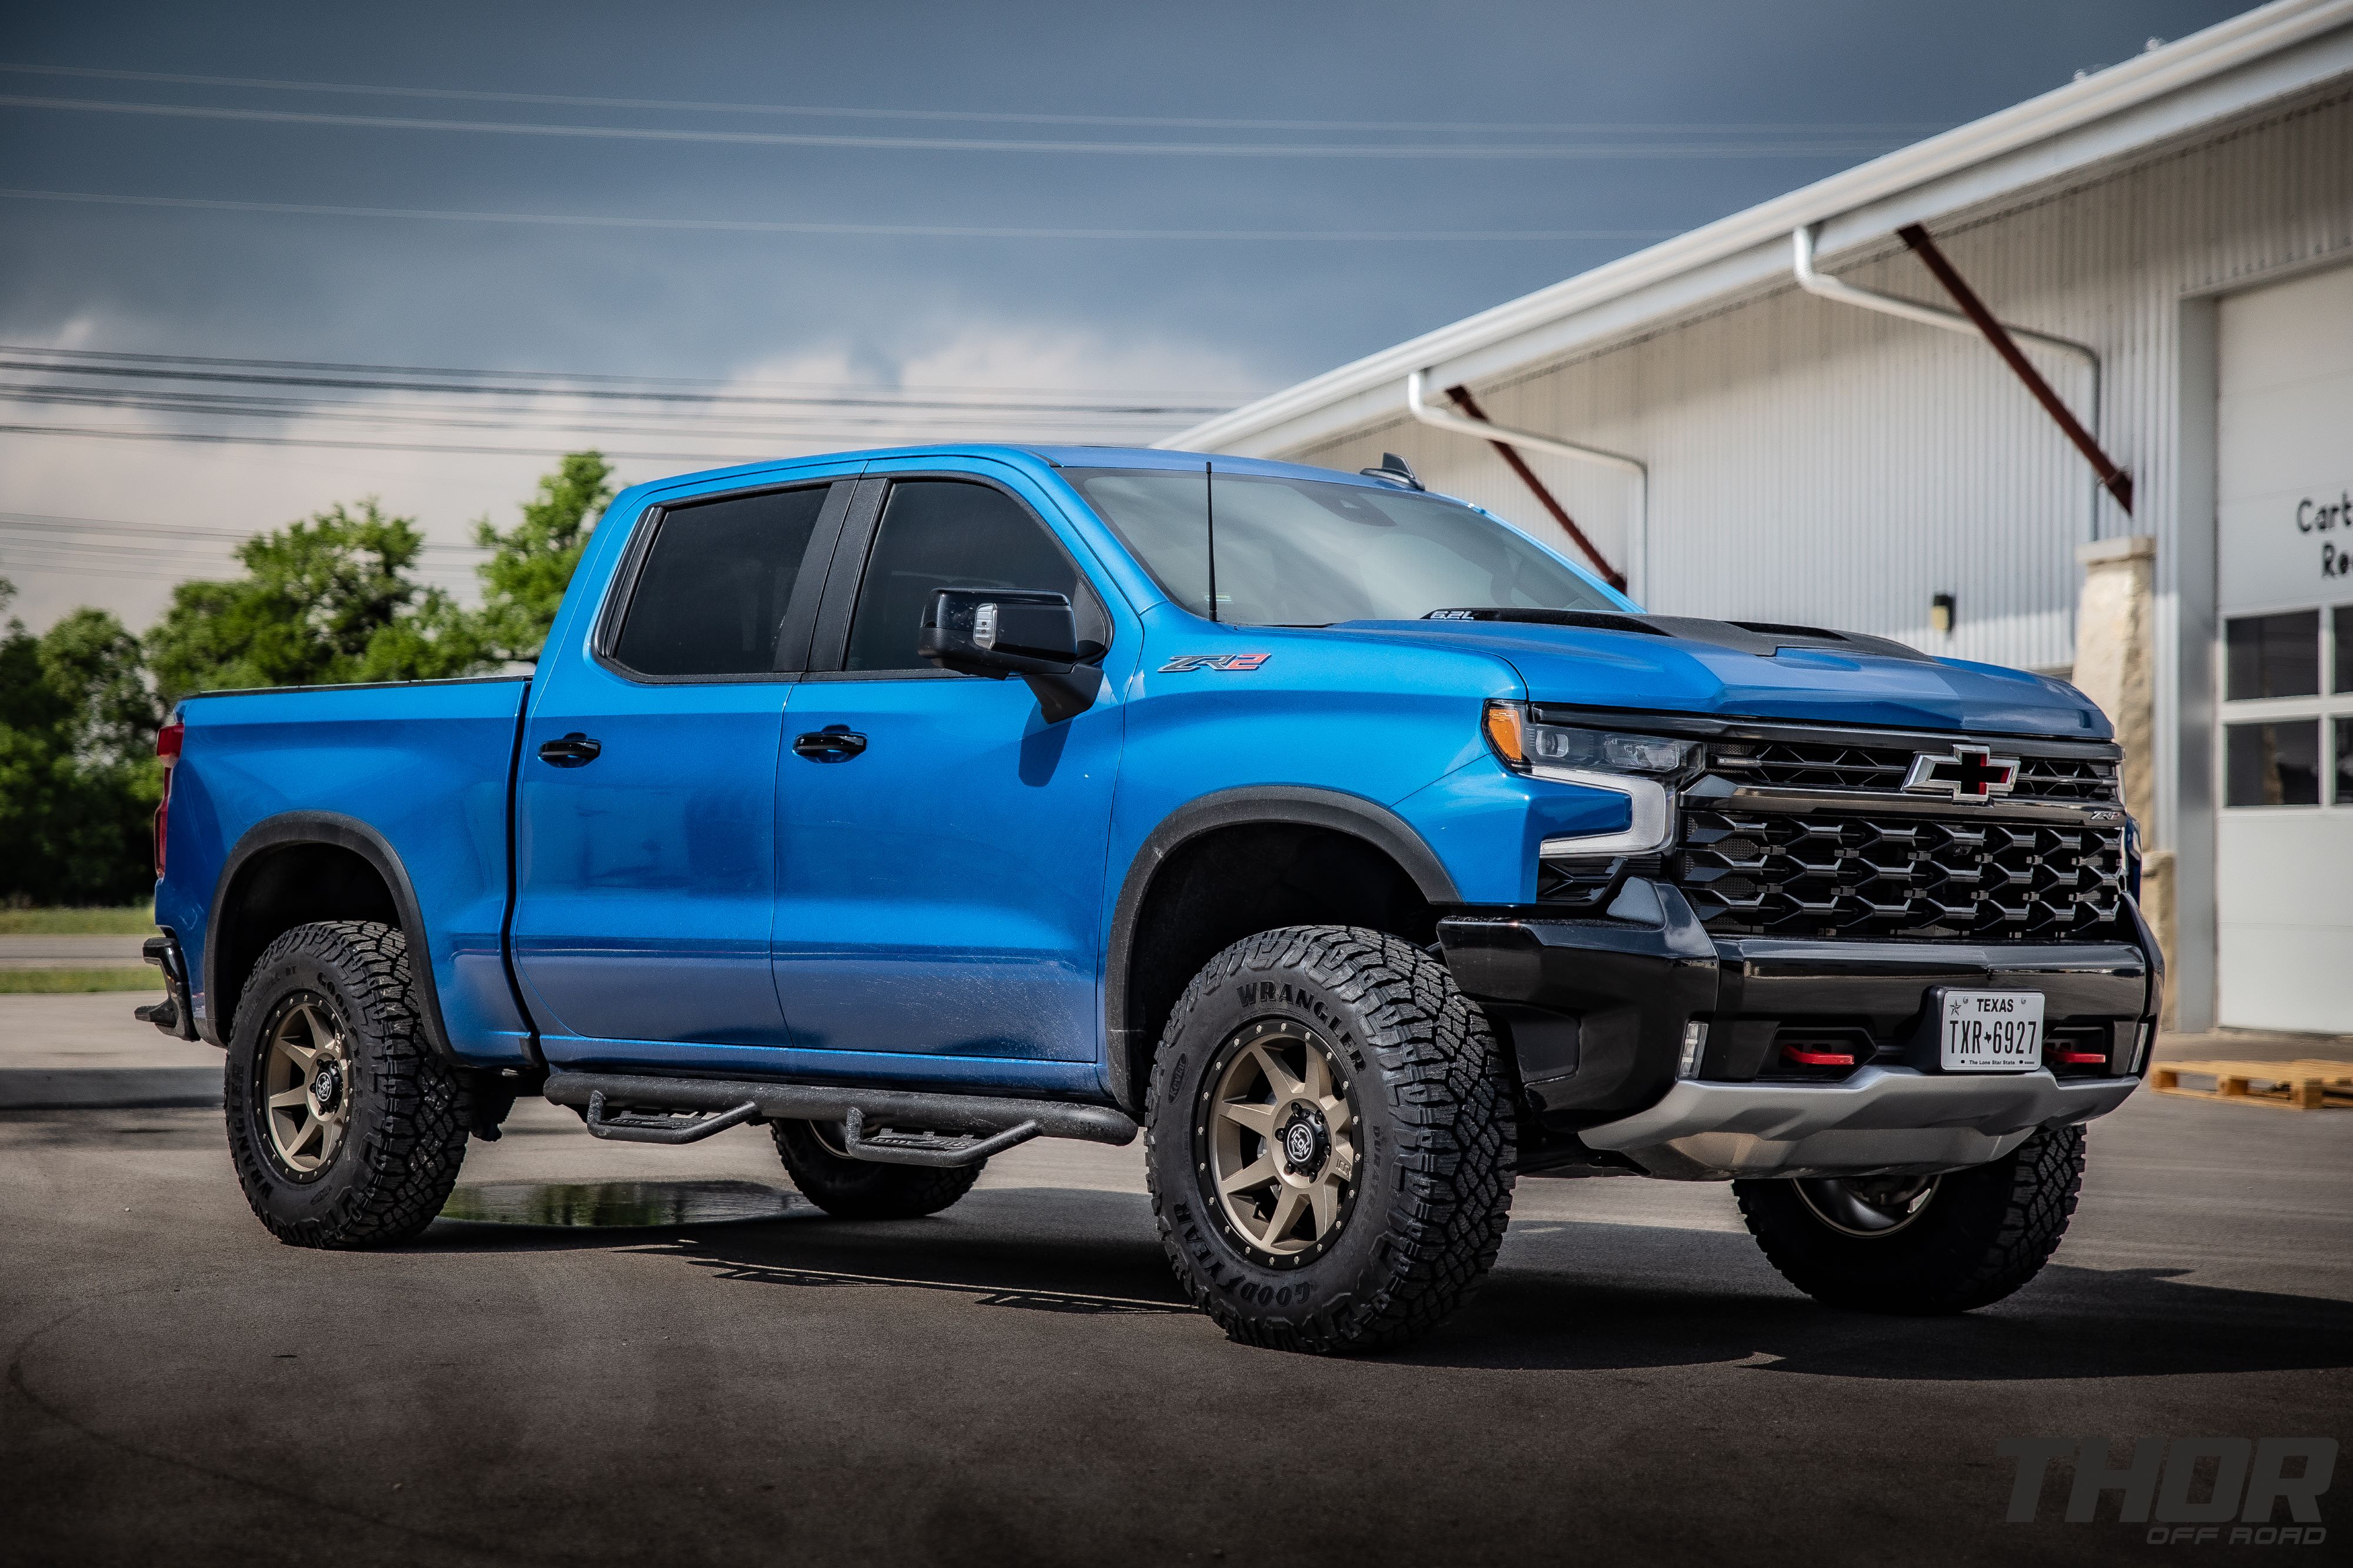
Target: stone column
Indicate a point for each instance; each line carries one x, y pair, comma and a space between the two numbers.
2116, 666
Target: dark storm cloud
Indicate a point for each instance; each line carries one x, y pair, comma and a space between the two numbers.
704, 302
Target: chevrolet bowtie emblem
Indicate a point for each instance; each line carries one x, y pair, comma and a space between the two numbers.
1972, 774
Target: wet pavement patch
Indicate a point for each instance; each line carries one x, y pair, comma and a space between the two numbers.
619, 1205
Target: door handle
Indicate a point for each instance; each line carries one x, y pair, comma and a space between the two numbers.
834, 743
573, 751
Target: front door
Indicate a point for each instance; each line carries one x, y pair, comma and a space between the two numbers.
943, 863
645, 809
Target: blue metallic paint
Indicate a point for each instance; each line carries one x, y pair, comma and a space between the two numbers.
1387, 712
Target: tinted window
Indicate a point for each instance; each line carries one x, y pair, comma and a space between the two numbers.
2273, 655
1286, 551
945, 533
711, 598
2272, 765
1163, 518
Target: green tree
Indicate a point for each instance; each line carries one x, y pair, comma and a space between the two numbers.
323, 601
525, 579
79, 779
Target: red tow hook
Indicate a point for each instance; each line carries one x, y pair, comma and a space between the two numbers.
1817, 1058
2078, 1058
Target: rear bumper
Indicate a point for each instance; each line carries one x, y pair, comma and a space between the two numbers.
1597, 1012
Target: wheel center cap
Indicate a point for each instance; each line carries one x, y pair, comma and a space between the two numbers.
1305, 1141
326, 1087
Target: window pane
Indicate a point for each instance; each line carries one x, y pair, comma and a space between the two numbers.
2344, 681
2344, 759
1163, 518
941, 534
713, 597
2272, 765
2273, 655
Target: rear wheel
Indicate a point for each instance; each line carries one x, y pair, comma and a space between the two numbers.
863, 1189
1921, 1245
346, 1128
1329, 1141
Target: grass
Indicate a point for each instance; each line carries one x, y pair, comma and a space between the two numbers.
138, 919
61, 982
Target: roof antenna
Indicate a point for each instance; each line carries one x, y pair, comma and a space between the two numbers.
1394, 470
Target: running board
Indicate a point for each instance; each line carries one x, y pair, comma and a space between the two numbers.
911, 1127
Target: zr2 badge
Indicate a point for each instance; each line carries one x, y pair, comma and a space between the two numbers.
1190, 662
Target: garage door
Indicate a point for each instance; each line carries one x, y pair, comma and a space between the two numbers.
2284, 883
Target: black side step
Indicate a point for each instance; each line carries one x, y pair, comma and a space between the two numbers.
910, 1123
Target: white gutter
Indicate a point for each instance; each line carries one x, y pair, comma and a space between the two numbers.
1803, 266
1638, 530
2134, 85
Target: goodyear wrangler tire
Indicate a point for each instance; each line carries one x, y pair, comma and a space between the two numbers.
1329, 1139
347, 1131
862, 1189
1920, 1247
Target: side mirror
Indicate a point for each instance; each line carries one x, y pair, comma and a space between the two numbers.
1000, 632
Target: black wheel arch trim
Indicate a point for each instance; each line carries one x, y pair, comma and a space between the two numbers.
288, 830
1303, 804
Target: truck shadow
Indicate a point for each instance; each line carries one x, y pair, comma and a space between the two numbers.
1570, 1296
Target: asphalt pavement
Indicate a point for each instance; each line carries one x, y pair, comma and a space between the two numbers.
644, 1356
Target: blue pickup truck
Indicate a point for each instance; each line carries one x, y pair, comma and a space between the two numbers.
1361, 852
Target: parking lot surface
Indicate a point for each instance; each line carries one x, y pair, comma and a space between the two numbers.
714, 1372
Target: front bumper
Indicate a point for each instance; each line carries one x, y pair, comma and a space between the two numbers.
1597, 1011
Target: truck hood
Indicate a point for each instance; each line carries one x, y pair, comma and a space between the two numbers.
1754, 670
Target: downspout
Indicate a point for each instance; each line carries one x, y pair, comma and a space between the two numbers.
1812, 282
1417, 383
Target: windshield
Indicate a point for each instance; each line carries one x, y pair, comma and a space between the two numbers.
1298, 552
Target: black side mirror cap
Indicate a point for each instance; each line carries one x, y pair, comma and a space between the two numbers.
1000, 632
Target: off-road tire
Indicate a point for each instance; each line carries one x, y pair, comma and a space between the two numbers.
1983, 1234
863, 1189
1430, 1096
405, 1139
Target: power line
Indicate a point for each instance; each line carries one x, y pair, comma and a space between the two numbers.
878, 230
266, 378
103, 525
706, 458
123, 357
1432, 150
988, 117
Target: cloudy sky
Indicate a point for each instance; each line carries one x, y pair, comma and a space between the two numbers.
257, 259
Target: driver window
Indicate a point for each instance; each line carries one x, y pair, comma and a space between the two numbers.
949, 533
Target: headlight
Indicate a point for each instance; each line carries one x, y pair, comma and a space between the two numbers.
1640, 767
1529, 746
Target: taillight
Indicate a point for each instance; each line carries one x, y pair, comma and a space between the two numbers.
167, 746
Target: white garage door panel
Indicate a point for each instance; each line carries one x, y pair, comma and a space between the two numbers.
2284, 875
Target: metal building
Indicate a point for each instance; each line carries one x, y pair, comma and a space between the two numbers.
1798, 454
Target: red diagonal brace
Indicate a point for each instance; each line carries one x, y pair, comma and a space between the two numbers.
1470, 406
2117, 482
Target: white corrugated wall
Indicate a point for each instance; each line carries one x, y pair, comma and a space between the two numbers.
1815, 463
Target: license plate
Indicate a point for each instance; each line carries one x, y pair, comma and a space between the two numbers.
1992, 1031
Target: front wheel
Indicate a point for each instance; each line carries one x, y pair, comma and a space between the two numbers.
1329, 1141
1920, 1245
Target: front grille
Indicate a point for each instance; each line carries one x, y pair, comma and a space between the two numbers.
1861, 877
1839, 766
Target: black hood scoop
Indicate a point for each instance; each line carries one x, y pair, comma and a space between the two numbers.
1762, 638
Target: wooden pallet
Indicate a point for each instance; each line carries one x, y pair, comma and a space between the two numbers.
2306, 1085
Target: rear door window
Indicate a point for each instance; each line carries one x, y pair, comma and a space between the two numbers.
712, 597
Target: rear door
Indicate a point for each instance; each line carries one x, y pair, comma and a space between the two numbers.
942, 875
644, 828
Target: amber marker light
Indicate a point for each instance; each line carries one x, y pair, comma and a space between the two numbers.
1505, 732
